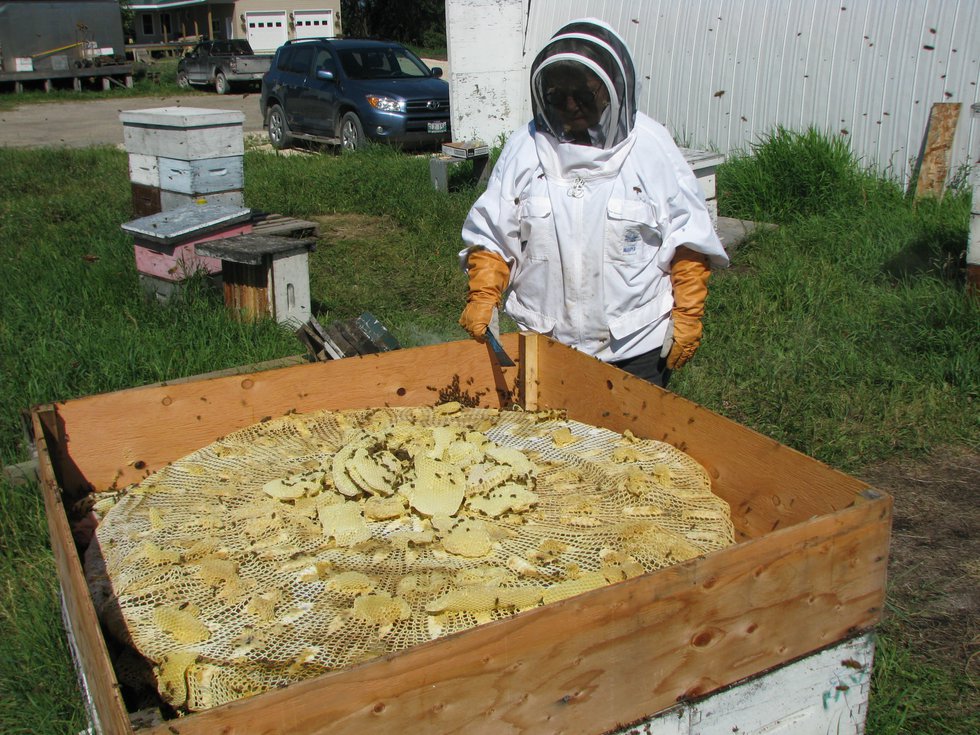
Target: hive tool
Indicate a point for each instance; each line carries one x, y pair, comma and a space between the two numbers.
498, 349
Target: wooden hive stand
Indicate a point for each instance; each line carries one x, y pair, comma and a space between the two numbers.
265, 275
268, 274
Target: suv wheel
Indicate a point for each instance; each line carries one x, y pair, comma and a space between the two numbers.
278, 130
351, 132
221, 85
182, 80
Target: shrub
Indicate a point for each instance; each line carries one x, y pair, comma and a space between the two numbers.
790, 175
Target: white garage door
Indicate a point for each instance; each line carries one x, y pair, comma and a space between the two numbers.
266, 31
313, 23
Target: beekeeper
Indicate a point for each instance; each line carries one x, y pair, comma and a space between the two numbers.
593, 223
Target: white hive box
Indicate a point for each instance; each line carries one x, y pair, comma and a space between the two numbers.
704, 164
185, 133
203, 176
175, 199
144, 169
180, 156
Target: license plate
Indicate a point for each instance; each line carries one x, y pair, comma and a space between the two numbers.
437, 127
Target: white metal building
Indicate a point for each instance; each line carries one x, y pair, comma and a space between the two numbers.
722, 73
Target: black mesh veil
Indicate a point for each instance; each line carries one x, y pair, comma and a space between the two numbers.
595, 51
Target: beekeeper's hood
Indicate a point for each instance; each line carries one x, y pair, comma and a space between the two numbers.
585, 65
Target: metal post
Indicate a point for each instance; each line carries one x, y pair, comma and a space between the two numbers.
973, 247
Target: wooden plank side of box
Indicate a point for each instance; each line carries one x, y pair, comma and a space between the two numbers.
93, 657
605, 658
767, 484
117, 438
589, 663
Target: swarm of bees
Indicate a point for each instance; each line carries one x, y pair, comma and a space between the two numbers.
312, 542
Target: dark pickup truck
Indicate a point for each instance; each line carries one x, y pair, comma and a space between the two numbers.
223, 64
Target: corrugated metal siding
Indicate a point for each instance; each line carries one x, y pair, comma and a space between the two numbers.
28, 28
722, 73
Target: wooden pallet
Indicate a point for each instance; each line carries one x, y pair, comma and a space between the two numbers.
267, 223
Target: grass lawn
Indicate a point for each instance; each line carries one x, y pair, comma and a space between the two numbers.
844, 333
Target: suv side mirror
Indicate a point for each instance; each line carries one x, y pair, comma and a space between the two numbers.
325, 74
437, 72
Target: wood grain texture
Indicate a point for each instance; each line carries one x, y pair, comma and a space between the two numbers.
90, 646
937, 149
809, 570
118, 438
605, 658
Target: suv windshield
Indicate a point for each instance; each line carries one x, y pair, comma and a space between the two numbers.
381, 63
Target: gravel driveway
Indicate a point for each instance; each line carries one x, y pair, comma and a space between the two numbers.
96, 122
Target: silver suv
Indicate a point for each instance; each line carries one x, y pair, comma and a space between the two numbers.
343, 91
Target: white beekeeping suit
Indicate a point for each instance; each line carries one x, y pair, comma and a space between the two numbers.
592, 220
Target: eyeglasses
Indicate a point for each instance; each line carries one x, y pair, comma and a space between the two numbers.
584, 97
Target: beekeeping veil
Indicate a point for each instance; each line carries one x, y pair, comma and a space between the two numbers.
590, 49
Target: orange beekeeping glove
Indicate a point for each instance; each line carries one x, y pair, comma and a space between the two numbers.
489, 276
689, 277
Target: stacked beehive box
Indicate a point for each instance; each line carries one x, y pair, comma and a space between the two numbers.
704, 164
179, 156
186, 172
166, 243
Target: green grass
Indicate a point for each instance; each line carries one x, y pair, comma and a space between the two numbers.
405, 271
428, 52
788, 175
73, 319
844, 333
40, 693
912, 697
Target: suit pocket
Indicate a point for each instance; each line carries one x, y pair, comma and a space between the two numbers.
632, 235
537, 228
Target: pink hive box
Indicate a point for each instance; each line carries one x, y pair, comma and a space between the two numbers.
165, 243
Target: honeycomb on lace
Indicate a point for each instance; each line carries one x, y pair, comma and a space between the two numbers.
316, 541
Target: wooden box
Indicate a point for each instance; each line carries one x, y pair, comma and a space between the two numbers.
184, 133
144, 169
175, 200
704, 164
203, 176
807, 571
265, 275
164, 243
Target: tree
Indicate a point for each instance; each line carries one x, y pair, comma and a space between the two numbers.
128, 18
421, 22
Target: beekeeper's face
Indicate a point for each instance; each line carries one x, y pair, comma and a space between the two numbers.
575, 95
